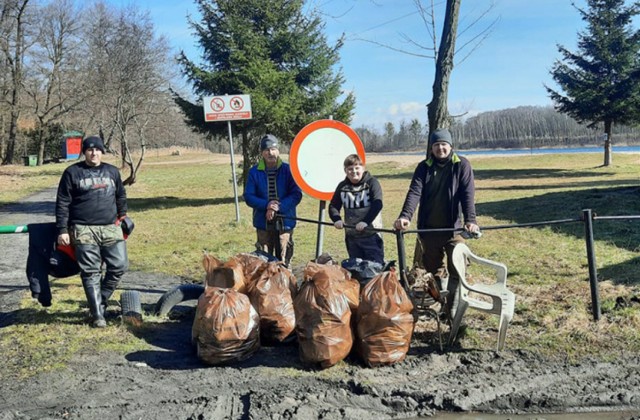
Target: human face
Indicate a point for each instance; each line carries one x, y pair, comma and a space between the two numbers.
270, 156
93, 156
354, 173
441, 150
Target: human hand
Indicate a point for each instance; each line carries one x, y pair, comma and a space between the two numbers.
270, 214
361, 226
339, 224
273, 205
472, 228
471, 231
63, 239
401, 224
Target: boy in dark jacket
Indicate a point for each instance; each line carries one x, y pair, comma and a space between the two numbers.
361, 196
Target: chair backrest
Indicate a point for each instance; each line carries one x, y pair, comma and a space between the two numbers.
461, 254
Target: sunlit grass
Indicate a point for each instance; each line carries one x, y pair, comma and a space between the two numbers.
184, 205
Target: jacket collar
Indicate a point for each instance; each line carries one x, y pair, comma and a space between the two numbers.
262, 165
454, 159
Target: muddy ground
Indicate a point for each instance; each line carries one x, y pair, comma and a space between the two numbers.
169, 382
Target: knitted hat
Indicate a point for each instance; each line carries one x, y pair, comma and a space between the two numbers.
268, 142
93, 141
441, 135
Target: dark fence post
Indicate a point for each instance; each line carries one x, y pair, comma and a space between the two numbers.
591, 257
320, 238
402, 263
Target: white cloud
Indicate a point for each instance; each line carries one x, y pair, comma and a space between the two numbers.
408, 110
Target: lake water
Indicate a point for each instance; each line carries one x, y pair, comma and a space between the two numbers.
615, 149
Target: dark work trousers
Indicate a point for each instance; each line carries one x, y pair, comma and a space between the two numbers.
434, 248
95, 245
278, 243
370, 248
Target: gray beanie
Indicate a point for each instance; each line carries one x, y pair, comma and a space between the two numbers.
441, 135
268, 142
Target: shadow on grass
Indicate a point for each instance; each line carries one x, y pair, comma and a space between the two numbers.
169, 202
513, 174
33, 174
510, 174
627, 272
619, 201
588, 184
31, 207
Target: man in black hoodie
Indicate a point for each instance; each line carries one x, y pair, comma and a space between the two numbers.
90, 203
443, 186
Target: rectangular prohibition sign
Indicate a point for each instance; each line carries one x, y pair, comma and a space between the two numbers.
227, 108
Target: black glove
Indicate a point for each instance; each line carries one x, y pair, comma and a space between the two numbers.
127, 225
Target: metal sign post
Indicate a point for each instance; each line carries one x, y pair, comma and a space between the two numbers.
228, 108
233, 172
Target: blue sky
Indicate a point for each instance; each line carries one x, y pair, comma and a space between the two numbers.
507, 70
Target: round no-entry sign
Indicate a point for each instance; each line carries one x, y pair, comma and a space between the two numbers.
317, 156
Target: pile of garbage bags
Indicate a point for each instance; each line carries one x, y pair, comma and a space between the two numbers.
250, 301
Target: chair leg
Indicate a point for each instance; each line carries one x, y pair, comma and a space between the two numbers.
502, 330
457, 320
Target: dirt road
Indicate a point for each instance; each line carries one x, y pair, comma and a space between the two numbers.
168, 382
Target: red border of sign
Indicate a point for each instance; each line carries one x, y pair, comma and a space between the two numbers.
295, 149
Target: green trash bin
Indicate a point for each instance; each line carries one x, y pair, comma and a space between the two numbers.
31, 160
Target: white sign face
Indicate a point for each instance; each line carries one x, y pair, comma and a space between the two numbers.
318, 153
227, 108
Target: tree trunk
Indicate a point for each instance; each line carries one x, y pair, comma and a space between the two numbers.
608, 127
41, 144
438, 107
16, 88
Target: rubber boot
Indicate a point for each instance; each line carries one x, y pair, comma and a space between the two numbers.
94, 300
115, 258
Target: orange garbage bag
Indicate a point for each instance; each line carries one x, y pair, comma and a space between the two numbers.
229, 274
272, 295
226, 327
322, 321
252, 265
384, 321
340, 278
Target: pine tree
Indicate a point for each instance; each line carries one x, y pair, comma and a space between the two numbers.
273, 51
601, 82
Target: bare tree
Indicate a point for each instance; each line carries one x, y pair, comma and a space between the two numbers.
129, 67
52, 82
13, 17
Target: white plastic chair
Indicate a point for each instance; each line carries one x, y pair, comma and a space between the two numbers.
502, 300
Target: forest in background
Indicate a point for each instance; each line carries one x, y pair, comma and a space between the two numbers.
117, 78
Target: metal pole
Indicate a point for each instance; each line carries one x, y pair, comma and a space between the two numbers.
402, 264
322, 207
591, 257
233, 171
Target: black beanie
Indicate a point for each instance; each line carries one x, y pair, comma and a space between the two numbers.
93, 141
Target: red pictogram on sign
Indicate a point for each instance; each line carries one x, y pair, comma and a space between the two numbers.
236, 103
217, 104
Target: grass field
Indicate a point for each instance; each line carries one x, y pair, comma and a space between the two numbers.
184, 205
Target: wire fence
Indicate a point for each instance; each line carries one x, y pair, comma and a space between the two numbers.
587, 218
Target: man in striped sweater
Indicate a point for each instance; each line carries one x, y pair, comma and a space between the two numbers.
271, 190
